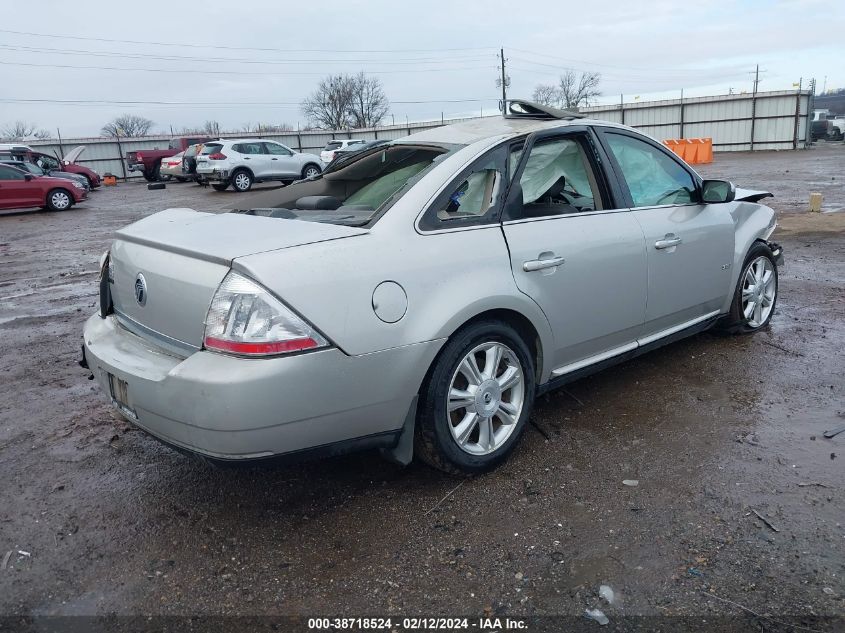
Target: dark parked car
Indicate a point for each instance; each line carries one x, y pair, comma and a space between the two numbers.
19, 189
68, 164
35, 170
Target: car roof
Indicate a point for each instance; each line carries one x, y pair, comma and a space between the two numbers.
241, 140
472, 131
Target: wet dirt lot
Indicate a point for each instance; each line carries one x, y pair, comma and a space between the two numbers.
100, 519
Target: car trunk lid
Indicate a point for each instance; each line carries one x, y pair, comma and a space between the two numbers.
167, 267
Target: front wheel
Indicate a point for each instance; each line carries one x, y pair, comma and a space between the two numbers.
311, 171
476, 400
756, 293
59, 200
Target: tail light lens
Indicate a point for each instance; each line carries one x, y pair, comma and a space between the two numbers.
245, 319
139, 156
217, 156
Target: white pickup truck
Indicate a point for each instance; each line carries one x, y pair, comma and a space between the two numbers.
828, 125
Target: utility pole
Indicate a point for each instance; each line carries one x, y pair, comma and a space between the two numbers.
756, 78
503, 81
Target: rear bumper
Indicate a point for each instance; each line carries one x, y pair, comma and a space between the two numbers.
213, 174
135, 167
232, 408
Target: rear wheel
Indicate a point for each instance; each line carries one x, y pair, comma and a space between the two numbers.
154, 174
242, 180
181, 179
311, 170
756, 293
476, 400
220, 186
59, 200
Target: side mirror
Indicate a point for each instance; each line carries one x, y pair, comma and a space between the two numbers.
716, 191
27, 176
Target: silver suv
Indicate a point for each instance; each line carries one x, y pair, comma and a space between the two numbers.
417, 296
242, 162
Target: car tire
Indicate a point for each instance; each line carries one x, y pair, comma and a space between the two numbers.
752, 308
242, 180
91, 185
181, 179
498, 404
59, 200
220, 186
311, 170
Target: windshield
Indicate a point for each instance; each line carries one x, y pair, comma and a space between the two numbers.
356, 191
332, 145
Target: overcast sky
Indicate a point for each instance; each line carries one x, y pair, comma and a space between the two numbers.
238, 63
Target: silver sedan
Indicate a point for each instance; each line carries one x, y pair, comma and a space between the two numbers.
417, 296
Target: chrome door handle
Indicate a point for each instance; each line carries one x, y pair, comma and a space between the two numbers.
540, 264
667, 242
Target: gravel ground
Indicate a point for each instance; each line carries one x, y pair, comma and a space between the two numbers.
739, 502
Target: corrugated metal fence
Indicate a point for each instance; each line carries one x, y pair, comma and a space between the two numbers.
767, 120
106, 155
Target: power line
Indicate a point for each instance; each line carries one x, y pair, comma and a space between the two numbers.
238, 60
634, 68
231, 72
247, 48
218, 103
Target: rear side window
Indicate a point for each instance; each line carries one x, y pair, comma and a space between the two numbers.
212, 148
248, 148
653, 177
473, 197
332, 145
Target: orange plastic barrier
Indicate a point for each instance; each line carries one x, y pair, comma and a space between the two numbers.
695, 151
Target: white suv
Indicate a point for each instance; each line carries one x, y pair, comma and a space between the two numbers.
327, 155
241, 162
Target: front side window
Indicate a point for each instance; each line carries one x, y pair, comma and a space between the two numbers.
10, 173
558, 178
653, 177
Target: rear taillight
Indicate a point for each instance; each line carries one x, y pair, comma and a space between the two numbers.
245, 319
217, 156
139, 156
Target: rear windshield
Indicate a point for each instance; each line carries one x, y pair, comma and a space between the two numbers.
357, 191
332, 145
211, 148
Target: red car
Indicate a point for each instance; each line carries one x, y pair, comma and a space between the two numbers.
19, 189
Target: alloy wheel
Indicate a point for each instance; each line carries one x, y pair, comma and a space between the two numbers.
759, 287
486, 396
311, 172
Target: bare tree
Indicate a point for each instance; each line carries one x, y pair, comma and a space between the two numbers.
329, 105
21, 130
211, 128
127, 125
546, 95
369, 104
576, 90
